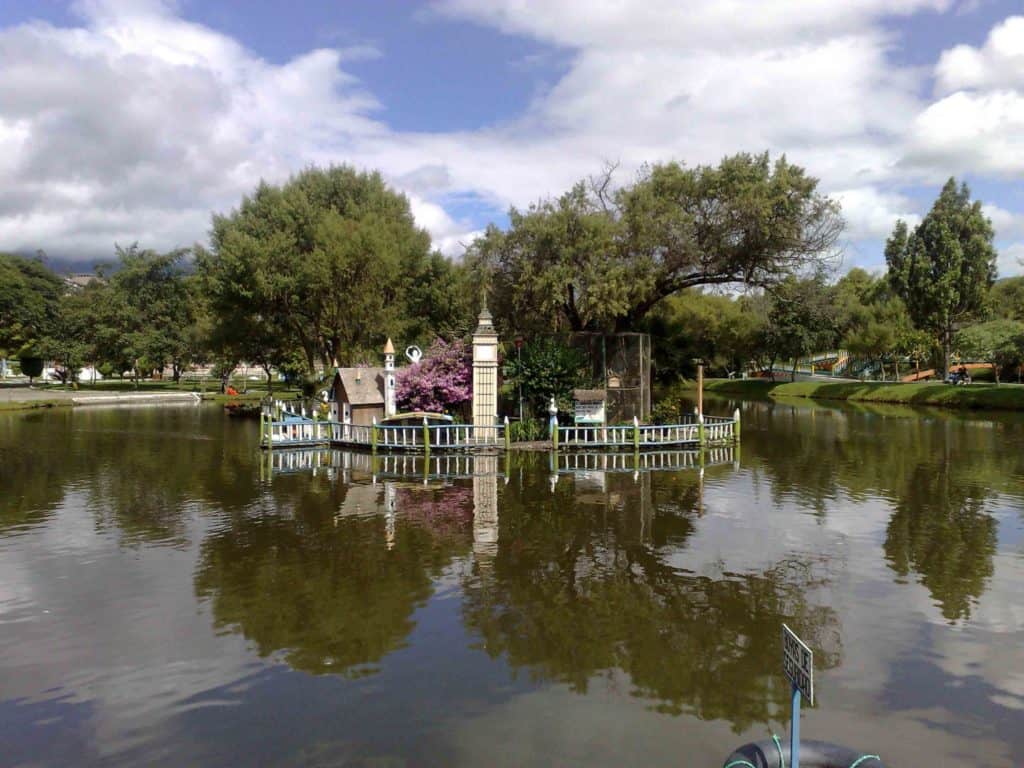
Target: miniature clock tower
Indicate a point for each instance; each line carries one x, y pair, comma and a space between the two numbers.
485, 378
389, 379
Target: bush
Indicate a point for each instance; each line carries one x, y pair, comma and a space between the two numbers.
31, 367
666, 412
527, 430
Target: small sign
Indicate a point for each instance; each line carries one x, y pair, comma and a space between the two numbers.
589, 413
798, 663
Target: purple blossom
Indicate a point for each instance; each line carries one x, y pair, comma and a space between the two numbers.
442, 380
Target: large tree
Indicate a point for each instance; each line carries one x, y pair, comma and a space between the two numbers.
30, 296
803, 319
333, 261
600, 257
944, 268
144, 313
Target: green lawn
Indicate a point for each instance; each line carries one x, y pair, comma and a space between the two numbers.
974, 396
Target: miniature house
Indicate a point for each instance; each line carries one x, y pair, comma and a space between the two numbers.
364, 395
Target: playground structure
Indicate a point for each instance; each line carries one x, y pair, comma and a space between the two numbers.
841, 365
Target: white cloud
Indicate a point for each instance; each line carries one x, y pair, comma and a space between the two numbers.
873, 213
970, 132
998, 64
1011, 260
138, 123
1007, 224
977, 126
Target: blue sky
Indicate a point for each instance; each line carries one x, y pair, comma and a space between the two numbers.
134, 119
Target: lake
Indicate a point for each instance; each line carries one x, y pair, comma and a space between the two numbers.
167, 598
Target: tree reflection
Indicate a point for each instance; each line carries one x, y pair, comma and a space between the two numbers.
136, 470
333, 586
940, 530
937, 469
570, 595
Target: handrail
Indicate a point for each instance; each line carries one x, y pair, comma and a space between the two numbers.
388, 437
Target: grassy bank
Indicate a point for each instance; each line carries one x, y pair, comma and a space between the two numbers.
1008, 397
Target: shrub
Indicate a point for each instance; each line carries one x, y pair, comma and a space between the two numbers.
31, 367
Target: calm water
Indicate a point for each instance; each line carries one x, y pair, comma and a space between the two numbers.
162, 602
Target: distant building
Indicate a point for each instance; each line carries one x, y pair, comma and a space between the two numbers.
78, 281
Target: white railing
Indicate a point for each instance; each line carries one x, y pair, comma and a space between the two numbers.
651, 460
386, 437
716, 430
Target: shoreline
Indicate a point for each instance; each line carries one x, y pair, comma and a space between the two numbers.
977, 397
14, 399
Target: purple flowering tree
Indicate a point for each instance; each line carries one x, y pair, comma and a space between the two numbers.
442, 380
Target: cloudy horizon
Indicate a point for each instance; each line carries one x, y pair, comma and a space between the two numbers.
125, 121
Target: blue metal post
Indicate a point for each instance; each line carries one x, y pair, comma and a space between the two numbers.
794, 731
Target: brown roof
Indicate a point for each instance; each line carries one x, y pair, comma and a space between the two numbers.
589, 395
362, 386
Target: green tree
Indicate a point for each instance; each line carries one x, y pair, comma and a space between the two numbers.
802, 319
31, 367
545, 369
999, 342
148, 314
30, 294
68, 341
595, 259
1007, 298
726, 333
334, 263
943, 270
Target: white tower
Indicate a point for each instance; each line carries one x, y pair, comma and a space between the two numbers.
389, 379
485, 378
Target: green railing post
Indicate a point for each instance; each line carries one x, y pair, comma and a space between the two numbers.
736, 426
508, 436
426, 437
636, 434
554, 432
373, 436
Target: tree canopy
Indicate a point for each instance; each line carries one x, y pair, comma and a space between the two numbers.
30, 295
945, 267
333, 263
599, 258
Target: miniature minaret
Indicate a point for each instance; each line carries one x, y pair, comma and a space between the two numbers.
485, 378
389, 379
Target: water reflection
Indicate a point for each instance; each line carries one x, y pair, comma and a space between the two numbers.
581, 586
570, 581
334, 590
140, 470
940, 472
450, 595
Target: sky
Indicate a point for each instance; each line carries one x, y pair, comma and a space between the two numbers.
128, 121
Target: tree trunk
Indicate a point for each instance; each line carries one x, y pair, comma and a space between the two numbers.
270, 380
995, 372
792, 375
896, 369
946, 343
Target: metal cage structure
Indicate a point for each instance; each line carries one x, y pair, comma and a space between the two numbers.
621, 364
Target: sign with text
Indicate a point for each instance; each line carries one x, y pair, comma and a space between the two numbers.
798, 663
589, 413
